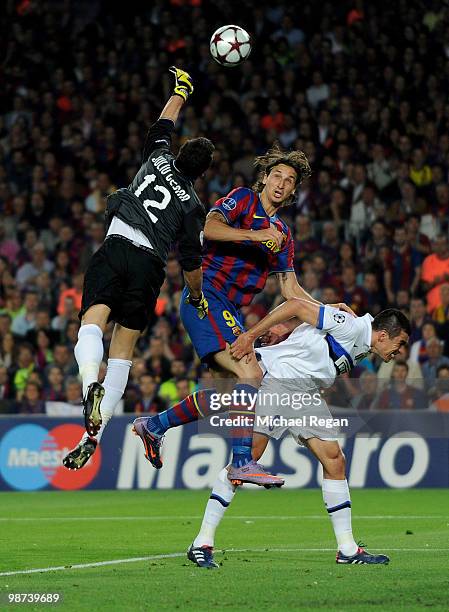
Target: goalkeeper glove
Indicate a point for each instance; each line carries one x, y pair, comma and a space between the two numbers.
200, 303
183, 83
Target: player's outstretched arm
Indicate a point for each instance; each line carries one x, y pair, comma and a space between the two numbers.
159, 134
290, 288
172, 109
217, 229
303, 310
182, 90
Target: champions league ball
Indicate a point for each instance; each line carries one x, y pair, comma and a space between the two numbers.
230, 45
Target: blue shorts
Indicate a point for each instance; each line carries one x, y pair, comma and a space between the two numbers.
221, 326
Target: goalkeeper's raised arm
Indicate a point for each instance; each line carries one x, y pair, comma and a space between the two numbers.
160, 132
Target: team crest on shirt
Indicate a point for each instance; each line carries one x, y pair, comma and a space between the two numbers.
236, 330
339, 318
229, 203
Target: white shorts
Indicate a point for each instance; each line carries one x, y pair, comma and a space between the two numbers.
295, 407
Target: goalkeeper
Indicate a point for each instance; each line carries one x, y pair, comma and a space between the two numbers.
123, 279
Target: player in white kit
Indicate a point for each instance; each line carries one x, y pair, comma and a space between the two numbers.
325, 342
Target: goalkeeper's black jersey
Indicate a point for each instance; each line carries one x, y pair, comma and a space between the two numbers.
161, 202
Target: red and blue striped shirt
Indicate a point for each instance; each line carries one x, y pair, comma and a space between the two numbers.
240, 269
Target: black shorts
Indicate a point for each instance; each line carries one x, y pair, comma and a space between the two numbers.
127, 279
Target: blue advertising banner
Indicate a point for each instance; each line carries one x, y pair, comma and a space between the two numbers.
398, 450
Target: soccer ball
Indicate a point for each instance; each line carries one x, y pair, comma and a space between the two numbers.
230, 45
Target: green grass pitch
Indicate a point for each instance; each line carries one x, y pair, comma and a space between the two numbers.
279, 551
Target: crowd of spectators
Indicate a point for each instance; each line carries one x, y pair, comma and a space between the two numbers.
361, 87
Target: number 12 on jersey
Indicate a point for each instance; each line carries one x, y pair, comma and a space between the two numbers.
166, 196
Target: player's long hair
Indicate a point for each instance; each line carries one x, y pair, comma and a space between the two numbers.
275, 156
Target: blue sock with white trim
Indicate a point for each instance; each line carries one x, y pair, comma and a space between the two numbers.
338, 505
222, 495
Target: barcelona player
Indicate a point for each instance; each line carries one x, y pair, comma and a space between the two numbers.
246, 241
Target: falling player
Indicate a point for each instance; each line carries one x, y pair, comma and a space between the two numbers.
246, 241
328, 343
124, 276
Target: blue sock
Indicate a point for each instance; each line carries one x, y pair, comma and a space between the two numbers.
154, 424
194, 407
242, 437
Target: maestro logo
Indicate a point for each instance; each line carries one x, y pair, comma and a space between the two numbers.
31, 458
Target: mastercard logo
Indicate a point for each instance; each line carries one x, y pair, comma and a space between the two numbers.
31, 458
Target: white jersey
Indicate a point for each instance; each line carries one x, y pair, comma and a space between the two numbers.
319, 354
